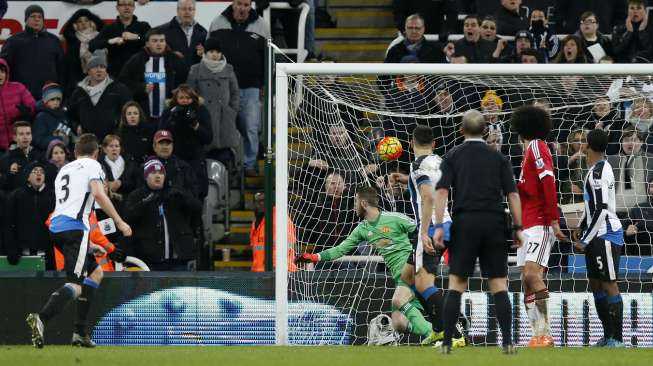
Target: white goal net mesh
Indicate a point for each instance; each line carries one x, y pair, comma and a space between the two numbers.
334, 124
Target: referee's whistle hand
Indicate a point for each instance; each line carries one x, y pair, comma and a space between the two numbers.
438, 238
517, 239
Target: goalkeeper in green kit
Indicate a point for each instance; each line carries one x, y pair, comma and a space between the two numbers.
390, 233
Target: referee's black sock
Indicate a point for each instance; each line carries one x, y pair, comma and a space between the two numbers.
57, 302
616, 310
601, 304
434, 298
450, 316
504, 316
84, 304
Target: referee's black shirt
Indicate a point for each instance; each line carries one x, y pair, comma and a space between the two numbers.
479, 176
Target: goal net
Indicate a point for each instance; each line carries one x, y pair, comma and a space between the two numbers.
329, 119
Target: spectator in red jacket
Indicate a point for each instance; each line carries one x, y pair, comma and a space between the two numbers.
15, 102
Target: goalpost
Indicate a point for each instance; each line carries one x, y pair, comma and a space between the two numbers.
328, 118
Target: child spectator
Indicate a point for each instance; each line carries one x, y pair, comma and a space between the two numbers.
51, 122
16, 103
136, 133
214, 79
57, 155
571, 51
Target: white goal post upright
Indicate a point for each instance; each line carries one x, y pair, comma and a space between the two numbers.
284, 107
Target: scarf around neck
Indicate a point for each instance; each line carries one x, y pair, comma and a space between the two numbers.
95, 92
117, 167
214, 66
84, 38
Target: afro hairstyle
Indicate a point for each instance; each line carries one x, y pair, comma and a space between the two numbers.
531, 122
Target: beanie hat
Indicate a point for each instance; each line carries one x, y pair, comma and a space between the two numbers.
491, 95
212, 44
151, 166
524, 34
50, 91
98, 58
33, 9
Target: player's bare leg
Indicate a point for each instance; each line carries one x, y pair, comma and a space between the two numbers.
536, 297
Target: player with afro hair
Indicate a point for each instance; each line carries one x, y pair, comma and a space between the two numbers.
531, 123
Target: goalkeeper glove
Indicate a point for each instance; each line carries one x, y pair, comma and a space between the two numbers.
117, 255
307, 258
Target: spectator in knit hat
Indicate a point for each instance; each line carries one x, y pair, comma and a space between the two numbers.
97, 101
123, 38
34, 55
16, 103
161, 220
51, 121
214, 79
82, 27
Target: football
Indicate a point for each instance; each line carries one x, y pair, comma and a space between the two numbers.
389, 148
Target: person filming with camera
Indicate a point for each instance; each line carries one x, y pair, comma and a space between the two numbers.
190, 122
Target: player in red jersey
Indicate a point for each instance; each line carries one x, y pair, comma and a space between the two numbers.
540, 217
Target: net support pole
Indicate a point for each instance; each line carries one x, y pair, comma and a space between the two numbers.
269, 158
281, 196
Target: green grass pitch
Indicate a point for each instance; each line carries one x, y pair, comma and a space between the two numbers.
316, 356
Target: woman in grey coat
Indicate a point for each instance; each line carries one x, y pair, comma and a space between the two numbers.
214, 79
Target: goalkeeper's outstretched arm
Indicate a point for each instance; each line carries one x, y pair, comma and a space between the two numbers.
344, 248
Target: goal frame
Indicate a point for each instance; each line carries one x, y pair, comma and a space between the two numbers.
280, 122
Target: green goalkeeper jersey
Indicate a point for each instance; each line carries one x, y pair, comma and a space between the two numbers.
389, 234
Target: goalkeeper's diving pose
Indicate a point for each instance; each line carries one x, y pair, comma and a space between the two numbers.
390, 233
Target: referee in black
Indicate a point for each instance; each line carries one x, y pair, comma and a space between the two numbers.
480, 178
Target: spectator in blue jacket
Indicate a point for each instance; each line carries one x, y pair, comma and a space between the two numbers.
51, 122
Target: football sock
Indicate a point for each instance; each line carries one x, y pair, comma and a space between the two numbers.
616, 309
434, 301
84, 304
57, 302
542, 308
417, 324
450, 316
504, 315
601, 303
531, 311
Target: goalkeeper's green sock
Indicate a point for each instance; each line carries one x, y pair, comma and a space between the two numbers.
416, 322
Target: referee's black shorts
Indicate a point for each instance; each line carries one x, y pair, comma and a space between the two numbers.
479, 235
79, 262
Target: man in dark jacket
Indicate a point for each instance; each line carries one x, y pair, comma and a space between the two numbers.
415, 44
161, 218
28, 207
509, 19
631, 42
14, 161
476, 50
433, 12
96, 103
123, 38
242, 35
153, 73
179, 173
184, 34
34, 55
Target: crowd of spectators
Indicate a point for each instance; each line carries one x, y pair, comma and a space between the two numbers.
160, 98
163, 98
